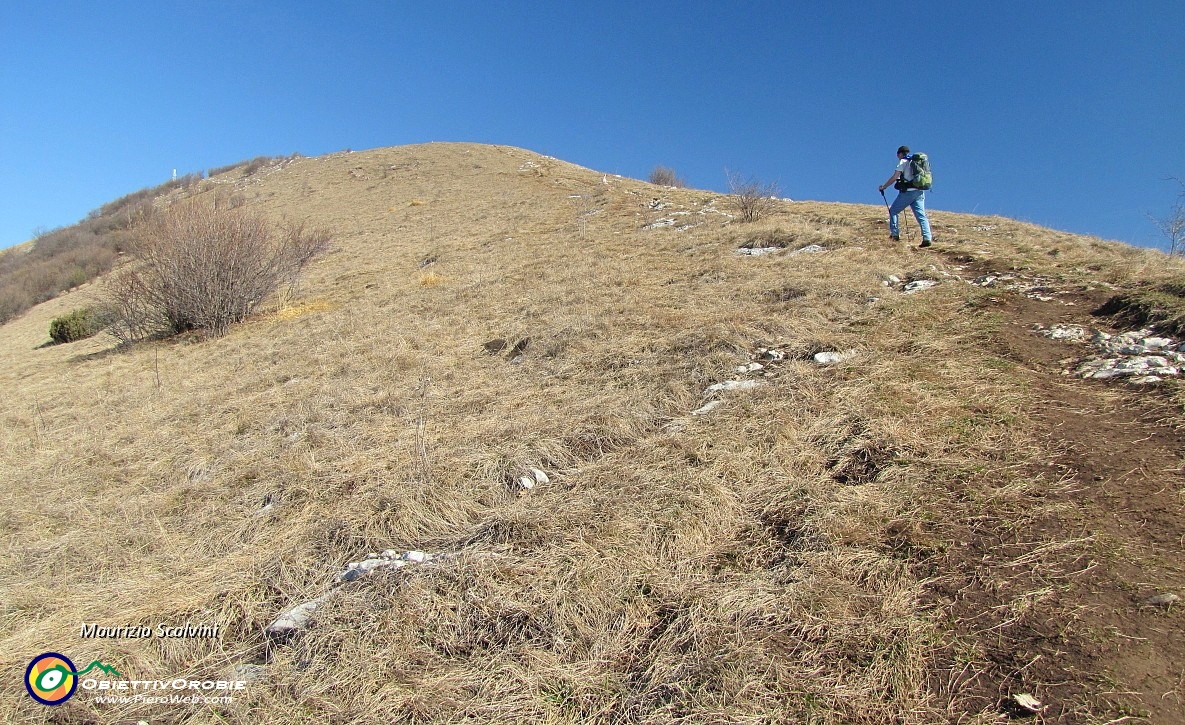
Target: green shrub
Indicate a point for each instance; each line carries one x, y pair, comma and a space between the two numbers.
77, 325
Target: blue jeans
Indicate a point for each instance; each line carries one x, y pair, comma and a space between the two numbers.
914, 199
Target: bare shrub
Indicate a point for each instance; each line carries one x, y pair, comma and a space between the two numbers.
666, 176
59, 259
198, 266
751, 198
1173, 225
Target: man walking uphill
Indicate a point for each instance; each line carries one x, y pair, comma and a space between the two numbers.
911, 192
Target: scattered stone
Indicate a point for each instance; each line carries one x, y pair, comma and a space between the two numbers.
758, 251
667, 222
918, 285
809, 249
532, 478
831, 358
770, 354
250, 673
297, 618
1070, 333
1028, 702
391, 558
894, 279
708, 408
729, 385
750, 368
1162, 600
1136, 355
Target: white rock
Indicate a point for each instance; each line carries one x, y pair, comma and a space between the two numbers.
758, 251
526, 482
298, 617
708, 408
809, 249
1162, 600
750, 368
831, 358
1028, 702
540, 476
1108, 373
1157, 343
250, 673
1073, 333
732, 385
894, 279
416, 556
918, 285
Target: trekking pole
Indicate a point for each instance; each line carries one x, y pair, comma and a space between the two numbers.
908, 239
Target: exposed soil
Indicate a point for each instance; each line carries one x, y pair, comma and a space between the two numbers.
1088, 644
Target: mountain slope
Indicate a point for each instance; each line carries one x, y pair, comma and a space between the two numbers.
916, 533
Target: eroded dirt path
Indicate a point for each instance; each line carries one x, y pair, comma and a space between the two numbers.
1083, 639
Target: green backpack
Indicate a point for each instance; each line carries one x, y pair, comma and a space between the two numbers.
919, 164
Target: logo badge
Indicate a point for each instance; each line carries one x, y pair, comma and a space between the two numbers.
51, 679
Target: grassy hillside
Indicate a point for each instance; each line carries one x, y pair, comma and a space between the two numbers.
937, 523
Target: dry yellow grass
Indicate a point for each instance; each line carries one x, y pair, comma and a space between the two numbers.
677, 568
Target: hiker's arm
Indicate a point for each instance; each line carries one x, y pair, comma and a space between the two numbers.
896, 175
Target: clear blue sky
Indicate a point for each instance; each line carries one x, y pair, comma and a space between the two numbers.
1070, 115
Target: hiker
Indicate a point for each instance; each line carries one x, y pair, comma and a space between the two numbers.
908, 195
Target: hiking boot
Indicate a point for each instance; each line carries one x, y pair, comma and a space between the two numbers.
925, 243
895, 239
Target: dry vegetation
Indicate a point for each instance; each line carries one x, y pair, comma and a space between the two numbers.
61, 259
794, 556
200, 266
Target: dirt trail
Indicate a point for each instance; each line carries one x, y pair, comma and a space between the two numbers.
1091, 644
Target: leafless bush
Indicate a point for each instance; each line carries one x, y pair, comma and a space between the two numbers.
751, 198
666, 176
1173, 225
198, 266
